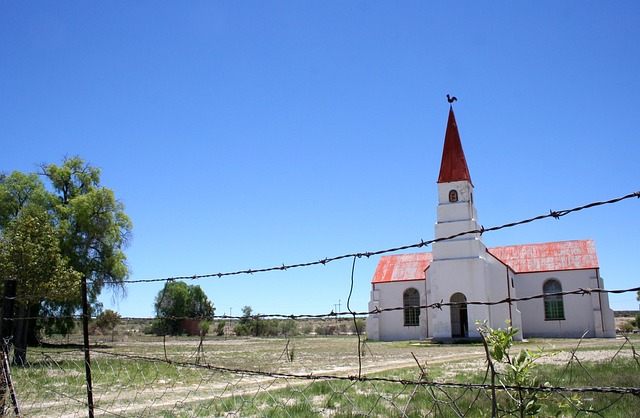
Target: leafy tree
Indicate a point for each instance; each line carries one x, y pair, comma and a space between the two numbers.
108, 320
250, 324
87, 228
30, 255
95, 227
205, 326
178, 301
247, 325
288, 327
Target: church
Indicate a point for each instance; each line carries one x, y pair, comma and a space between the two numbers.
463, 269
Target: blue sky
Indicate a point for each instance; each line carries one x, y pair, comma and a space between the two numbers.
245, 135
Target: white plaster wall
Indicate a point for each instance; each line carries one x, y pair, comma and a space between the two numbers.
463, 187
447, 277
390, 325
373, 319
582, 312
464, 247
451, 228
455, 211
606, 316
501, 287
480, 279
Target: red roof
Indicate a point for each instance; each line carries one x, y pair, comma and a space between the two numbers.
401, 267
526, 258
454, 165
551, 256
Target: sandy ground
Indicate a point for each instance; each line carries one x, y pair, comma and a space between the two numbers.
304, 356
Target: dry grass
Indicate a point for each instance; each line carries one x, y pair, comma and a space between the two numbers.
54, 384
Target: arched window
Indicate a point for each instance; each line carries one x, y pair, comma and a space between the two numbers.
453, 196
411, 303
553, 304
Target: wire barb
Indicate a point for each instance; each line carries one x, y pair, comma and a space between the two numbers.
422, 243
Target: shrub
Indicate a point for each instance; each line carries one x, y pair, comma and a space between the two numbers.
288, 327
626, 327
360, 324
307, 328
156, 327
220, 328
328, 329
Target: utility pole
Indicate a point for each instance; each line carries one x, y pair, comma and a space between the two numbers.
336, 309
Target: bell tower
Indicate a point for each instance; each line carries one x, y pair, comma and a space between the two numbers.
457, 273
456, 212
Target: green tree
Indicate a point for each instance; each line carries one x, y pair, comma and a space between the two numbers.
29, 241
95, 231
81, 222
30, 255
247, 324
178, 301
288, 327
95, 226
108, 320
250, 324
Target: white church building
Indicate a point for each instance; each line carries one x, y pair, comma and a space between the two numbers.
462, 270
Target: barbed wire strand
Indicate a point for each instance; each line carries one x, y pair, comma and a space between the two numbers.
334, 314
422, 243
422, 380
364, 378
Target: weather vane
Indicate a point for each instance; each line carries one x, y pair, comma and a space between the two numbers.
451, 99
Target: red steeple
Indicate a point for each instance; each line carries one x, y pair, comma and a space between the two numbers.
454, 165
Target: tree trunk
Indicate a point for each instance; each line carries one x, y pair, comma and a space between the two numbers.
20, 335
33, 330
8, 312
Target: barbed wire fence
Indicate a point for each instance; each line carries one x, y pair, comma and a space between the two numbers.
320, 376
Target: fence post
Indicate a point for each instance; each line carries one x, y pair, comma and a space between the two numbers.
87, 355
6, 332
7, 310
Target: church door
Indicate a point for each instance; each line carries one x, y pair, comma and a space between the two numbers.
459, 319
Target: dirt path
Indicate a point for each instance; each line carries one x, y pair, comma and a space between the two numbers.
119, 394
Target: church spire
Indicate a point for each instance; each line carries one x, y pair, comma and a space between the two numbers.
454, 165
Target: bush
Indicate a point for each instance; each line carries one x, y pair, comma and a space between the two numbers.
288, 327
307, 328
328, 329
626, 327
220, 328
360, 324
156, 327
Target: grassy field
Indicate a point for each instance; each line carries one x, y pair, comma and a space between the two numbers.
309, 376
